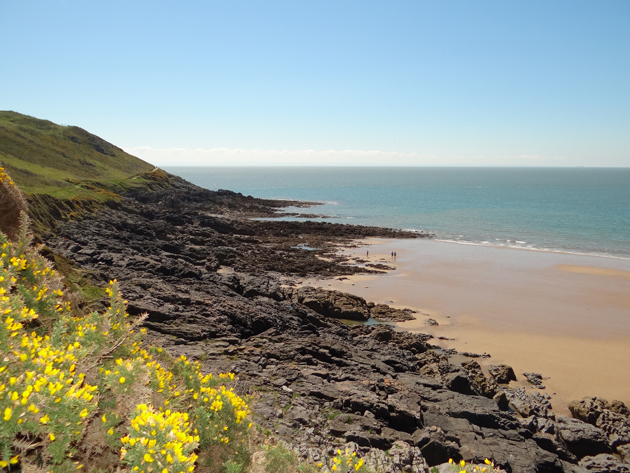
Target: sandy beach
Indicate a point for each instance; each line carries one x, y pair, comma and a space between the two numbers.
562, 315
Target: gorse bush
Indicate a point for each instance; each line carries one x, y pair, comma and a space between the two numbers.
463, 467
346, 462
75, 387
12, 204
42, 394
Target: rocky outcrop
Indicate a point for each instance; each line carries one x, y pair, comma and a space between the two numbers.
342, 305
580, 438
612, 418
502, 374
535, 379
339, 305
481, 385
383, 312
222, 291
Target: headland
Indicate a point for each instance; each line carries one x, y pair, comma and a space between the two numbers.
225, 290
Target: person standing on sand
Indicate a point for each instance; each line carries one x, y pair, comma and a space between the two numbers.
367, 253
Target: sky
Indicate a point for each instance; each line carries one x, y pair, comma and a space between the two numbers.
452, 82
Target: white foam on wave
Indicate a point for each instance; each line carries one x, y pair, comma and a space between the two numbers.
530, 247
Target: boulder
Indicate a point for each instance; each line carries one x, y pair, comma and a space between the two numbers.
502, 374
481, 385
588, 409
436, 446
535, 379
340, 305
453, 377
580, 438
598, 412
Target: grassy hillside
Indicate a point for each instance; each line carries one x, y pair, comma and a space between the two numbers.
63, 161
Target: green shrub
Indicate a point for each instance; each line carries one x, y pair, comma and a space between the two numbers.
73, 387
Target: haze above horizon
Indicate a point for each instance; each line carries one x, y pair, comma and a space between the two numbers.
406, 83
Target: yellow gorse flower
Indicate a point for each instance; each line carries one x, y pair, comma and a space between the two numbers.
40, 381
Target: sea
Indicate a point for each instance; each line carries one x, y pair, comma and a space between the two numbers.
569, 210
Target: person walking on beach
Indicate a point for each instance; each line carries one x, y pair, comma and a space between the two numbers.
367, 253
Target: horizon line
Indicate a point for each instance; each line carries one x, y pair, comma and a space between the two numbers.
385, 166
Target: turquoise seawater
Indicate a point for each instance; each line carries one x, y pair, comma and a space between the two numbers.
574, 210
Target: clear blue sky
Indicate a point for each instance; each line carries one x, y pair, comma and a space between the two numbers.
303, 82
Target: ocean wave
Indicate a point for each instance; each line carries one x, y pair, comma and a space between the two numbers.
530, 247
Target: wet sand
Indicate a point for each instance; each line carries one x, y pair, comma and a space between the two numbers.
565, 316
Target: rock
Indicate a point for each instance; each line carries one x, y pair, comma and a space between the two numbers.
435, 447
502, 374
432, 322
368, 439
475, 355
350, 422
502, 401
335, 304
429, 358
407, 458
383, 312
298, 414
374, 385
624, 452
588, 409
535, 379
580, 438
481, 385
620, 408
529, 404
550, 444
616, 427
604, 463
400, 458
453, 377
597, 411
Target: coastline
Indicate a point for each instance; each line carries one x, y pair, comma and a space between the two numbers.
563, 315
220, 288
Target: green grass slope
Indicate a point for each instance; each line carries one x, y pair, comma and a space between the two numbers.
66, 172
63, 161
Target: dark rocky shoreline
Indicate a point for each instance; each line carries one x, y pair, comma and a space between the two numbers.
220, 288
